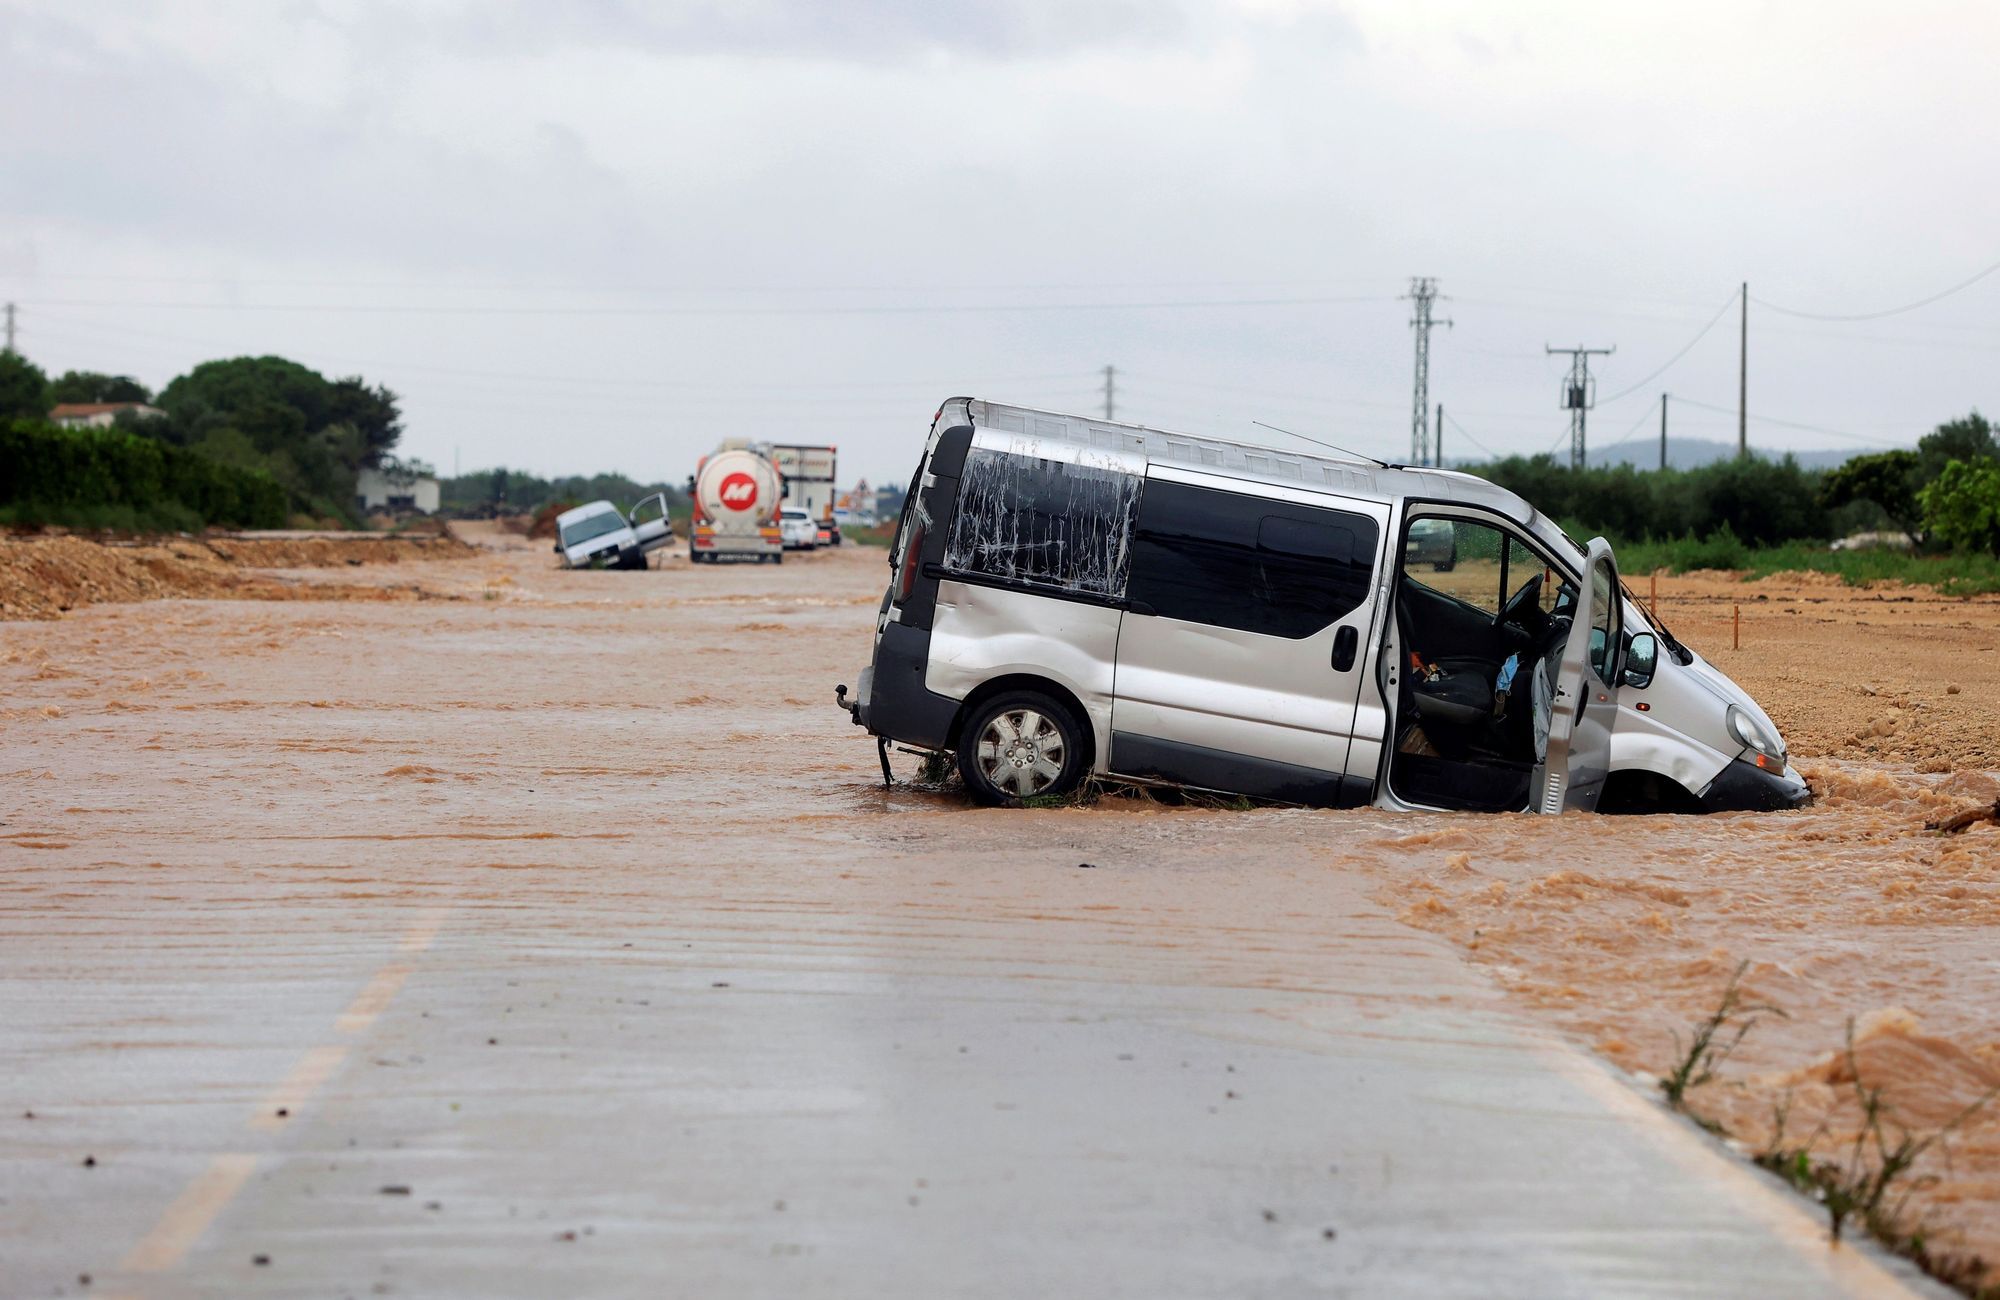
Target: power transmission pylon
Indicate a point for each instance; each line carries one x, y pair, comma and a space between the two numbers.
10, 329
1110, 391
1423, 292
1579, 395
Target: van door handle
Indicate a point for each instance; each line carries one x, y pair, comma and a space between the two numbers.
1344, 643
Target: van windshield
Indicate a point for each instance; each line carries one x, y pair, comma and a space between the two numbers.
598, 525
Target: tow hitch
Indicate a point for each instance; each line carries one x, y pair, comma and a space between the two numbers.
853, 708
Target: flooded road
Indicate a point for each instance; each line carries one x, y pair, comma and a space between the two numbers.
556, 936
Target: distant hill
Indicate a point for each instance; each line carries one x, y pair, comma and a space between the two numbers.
1686, 453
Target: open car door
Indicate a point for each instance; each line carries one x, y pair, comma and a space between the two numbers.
1586, 698
650, 523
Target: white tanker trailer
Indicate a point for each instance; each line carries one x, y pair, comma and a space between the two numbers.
737, 493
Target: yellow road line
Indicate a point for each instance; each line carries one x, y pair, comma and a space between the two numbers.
313, 1069
374, 998
418, 937
189, 1216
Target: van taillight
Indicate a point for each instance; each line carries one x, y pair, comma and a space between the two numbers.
913, 555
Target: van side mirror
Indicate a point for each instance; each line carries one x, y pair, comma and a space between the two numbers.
1642, 657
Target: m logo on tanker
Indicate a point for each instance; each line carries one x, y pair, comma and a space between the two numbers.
738, 491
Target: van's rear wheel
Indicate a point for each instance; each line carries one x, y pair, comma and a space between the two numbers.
1020, 745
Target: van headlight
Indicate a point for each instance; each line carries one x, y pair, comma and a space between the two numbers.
1752, 734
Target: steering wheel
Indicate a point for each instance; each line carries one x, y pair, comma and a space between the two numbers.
1519, 604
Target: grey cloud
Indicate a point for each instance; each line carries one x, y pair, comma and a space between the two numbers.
856, 30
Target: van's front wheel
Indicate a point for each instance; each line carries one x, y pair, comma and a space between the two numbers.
1020, 745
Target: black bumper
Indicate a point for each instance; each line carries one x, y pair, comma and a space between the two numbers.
897, 705
1745, 787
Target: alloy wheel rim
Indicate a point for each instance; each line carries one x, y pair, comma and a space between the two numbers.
1021, 752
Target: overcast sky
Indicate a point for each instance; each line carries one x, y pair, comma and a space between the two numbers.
603, 234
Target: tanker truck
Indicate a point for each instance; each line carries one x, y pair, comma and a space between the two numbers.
736, 492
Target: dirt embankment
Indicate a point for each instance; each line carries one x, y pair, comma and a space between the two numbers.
43, 577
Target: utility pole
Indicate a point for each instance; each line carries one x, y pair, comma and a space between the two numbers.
1578, 396
1110, 392
1423, 292
1439, 462
1663, 430
1743, 375
10, 329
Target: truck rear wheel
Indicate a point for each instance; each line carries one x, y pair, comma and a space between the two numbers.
1020, 745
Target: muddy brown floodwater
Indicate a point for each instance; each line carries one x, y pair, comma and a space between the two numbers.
505, 739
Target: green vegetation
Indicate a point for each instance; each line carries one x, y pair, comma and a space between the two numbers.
505, 491
1762, 517
1962, 506
1710, 1044
311, 434
117, 479
1869, 1184
24, 389
261, 415
1953, 573
89, 386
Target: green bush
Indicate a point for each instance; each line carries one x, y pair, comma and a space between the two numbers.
109, 478
1758, 502
1962, 506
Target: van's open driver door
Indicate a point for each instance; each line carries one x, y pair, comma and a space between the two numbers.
1586, 699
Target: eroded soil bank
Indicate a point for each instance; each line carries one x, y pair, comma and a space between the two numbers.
299, 749
44, 577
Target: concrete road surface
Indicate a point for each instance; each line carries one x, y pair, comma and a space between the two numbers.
565, 943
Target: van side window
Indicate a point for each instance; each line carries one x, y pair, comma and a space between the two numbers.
1249, 563
1044, 523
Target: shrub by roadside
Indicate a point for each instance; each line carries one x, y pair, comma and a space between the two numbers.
112, 479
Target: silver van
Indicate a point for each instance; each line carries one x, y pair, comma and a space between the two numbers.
1074, 597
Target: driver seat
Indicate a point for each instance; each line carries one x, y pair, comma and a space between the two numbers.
1460, 697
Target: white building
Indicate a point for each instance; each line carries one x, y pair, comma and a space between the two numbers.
394, 489
100, 415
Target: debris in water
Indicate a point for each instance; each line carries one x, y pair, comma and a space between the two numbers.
395, 1189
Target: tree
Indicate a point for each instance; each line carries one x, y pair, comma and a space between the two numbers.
24, 389
372, 411
1969, 440
1962, 506
312, 434
89, 386
1889, 479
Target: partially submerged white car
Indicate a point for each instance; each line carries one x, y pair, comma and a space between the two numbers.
599, 536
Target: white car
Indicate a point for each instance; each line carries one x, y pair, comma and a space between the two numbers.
599, 536
798, 530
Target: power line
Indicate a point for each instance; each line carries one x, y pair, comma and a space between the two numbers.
1685, 349
1893, 311
1467, 435
863, 309
1785, 424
